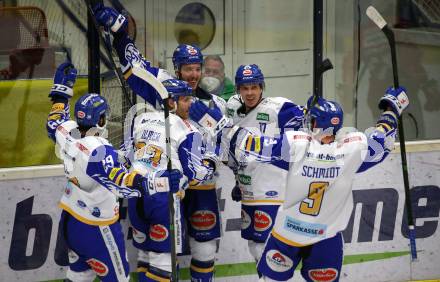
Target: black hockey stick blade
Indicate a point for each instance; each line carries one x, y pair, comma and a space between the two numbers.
324, 66
377, 18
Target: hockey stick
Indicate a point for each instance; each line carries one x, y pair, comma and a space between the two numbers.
140, 72
105, 41
143, 74
374, 15
322, 68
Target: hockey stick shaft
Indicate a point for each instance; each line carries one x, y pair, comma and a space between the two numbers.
139, 71
105, 41
374, 15
324, 66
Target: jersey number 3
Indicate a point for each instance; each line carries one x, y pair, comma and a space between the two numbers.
312, 204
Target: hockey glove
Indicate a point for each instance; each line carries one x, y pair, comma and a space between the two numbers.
396, 99
236, 192
64, 79
212, 119
164, 181
109, 17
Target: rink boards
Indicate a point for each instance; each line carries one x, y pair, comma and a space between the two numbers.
376, 247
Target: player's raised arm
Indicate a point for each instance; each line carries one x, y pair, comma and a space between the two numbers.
381, 139
60, 94
129, 55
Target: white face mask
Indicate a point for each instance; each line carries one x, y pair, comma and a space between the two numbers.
209, 83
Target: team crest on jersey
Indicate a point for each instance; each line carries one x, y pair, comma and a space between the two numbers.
151, 155
138, 236
245, 220
203, 220
277, 261
158, 233
98, 267
262, 221
323, 275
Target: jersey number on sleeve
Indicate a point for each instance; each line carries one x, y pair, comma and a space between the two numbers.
312, 205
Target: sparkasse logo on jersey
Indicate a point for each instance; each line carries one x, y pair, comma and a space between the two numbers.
304, 228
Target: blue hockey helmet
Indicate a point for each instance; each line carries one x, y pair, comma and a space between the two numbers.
249, 74
177, 88
89, 109
325, 114
186, 54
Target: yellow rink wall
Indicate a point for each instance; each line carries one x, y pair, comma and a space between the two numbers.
24, 107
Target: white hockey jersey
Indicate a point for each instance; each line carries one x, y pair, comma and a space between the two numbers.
262, 183
318, 200
186, 146
85, 198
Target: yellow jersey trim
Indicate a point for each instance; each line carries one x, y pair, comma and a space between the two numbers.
202, 187
285, 241
88, 221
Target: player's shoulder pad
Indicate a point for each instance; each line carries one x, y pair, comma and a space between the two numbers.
277, 100
276, 103
63, 131
298, 136
353, 138
93, 142
234, 102
180, 127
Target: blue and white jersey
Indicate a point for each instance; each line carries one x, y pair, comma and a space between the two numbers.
129, 55
95, 177
186, 146
262, 183
318, 201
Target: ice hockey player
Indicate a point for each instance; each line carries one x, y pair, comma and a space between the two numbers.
201, 206
205, 215
260, 186
321, 165
150, 222
89, 220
